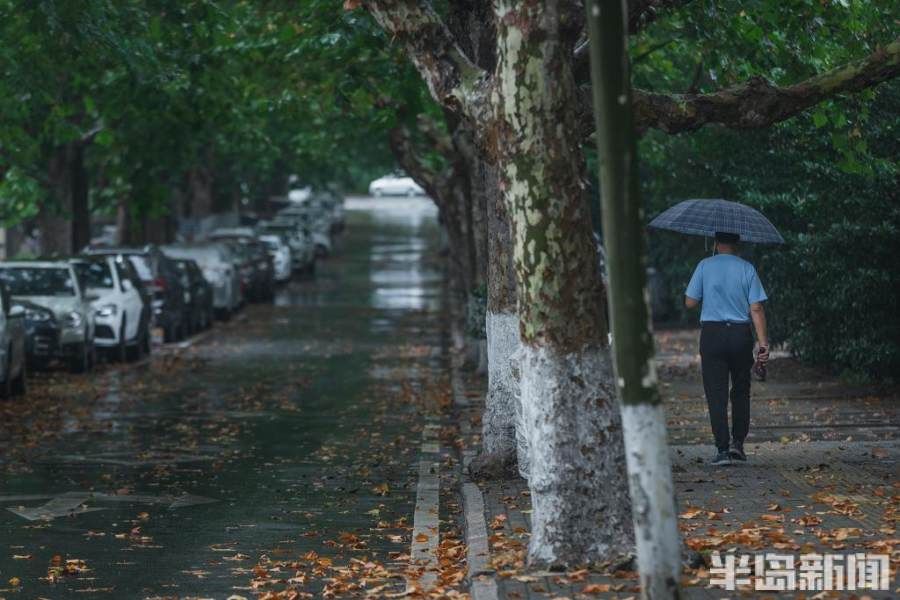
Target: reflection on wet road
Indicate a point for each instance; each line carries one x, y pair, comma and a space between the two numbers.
293, 429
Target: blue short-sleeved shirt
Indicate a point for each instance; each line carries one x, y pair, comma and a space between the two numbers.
727, 285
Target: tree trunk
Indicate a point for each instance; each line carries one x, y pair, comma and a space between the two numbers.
572, 425
643, 418
502, 329
123, 224
81, 210
54, 216
200, 186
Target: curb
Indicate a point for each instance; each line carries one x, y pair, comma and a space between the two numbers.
426, 524
482, 583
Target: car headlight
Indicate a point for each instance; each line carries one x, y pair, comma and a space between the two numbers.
107, 310
39, 316
72, 320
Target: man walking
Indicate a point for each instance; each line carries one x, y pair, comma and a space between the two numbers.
731, 296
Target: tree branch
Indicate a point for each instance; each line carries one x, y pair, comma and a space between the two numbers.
402, 147
452, 78
758, 103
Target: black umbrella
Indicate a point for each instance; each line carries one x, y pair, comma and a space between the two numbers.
708, 217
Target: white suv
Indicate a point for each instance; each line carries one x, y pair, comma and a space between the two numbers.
122, 317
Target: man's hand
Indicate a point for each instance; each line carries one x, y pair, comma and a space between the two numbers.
758, 315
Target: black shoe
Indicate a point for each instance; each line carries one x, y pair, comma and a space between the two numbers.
737, 451
721, 458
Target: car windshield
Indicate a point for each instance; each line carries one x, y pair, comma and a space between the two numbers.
142, 266
204, 255
94, 274
38, 281
271, 242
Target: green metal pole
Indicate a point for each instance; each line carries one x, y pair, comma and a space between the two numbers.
643, 419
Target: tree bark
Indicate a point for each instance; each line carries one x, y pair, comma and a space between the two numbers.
54, 219
499, 422
123, 224
643, 418
81, 210
581, 511
200, 187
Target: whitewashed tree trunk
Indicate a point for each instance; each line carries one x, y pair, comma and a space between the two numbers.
572, 427
577, 459
498, 425
502, 333
523, 457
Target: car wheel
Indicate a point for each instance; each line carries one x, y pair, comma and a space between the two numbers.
20, 385
136, 350
146, 342
122, 348
6, 388
81, 362
377, 193
411, 193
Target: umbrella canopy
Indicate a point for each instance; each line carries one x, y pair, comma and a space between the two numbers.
707, 217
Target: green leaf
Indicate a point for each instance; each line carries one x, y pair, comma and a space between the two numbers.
105, 138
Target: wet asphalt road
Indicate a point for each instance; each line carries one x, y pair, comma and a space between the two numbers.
292, 429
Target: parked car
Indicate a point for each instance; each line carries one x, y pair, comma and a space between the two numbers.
326, 207
160, 277
218, 264
280, 252
53, 285
243, 265
121, 313
303, 251
301, 218
198, 299
42, 332
395, 185
261, 280
13, 360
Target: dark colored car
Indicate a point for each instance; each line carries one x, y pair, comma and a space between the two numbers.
42, 333
12, 346
199, 295
162, 280
265, 270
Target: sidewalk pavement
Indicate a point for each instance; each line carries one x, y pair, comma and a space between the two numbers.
821, 477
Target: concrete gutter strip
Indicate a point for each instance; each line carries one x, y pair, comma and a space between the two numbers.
426, 532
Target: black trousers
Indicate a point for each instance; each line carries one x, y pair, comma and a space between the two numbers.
726, 350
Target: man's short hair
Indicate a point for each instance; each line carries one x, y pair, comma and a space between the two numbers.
727, 238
